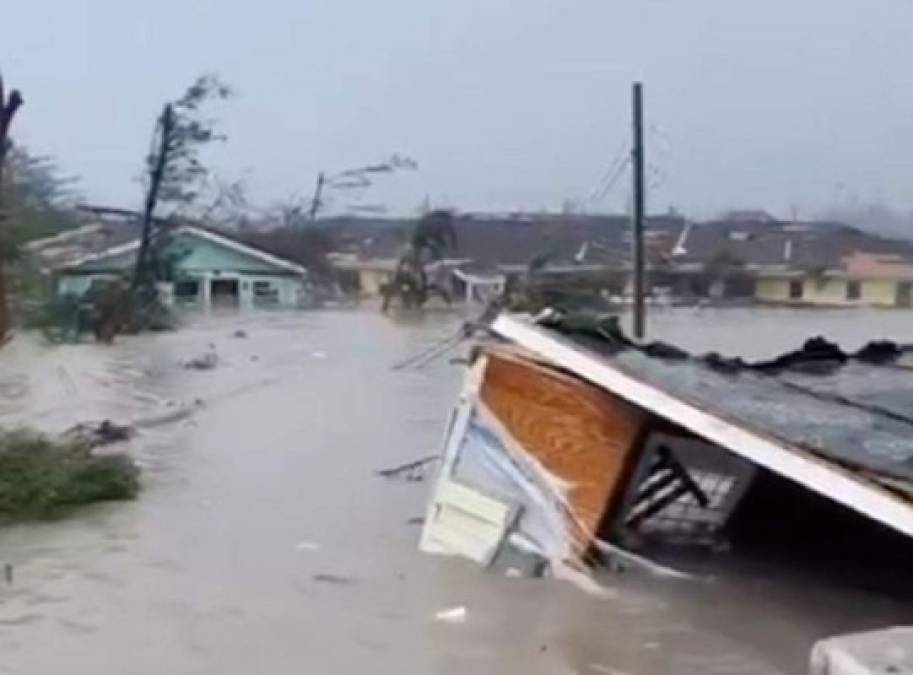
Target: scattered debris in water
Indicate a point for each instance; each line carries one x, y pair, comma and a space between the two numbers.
599, 668
207, 361
307, 546
180, 413
452, 615
411, 471
333, 579
99, 434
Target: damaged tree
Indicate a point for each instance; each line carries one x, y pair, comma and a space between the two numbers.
434, 236
175, 177
8, 107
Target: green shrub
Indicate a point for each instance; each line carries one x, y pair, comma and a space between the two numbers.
40, 477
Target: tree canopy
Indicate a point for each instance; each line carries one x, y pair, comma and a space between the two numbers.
38, 199
184, 175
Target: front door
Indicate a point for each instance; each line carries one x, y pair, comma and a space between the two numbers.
224, 293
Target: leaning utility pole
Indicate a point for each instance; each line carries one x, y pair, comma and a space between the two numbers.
141, 272
316, 201
8, 107
638, 229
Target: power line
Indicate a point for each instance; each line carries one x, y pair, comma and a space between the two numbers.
611, 175
619, 172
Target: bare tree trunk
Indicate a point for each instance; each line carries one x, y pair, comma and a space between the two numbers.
8, 108
155, 182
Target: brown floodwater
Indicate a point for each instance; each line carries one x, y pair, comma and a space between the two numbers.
263, 542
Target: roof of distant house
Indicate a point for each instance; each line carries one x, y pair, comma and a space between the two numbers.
114, 232
782, 244
488, 242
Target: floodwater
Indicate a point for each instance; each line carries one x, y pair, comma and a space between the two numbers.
263, 541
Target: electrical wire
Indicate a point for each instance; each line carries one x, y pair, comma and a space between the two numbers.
610, 176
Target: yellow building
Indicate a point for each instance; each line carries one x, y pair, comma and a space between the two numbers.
863, 279
367, 277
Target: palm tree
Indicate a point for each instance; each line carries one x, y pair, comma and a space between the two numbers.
434, 235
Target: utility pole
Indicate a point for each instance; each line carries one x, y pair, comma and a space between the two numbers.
638, 229
141, 272
318, 192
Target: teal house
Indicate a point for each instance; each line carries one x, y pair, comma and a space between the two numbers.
206, 269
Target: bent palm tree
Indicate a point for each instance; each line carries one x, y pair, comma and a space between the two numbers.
433, 236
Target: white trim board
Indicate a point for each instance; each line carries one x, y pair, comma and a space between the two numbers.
816, 474
112, 252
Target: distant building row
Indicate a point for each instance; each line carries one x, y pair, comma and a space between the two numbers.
742, 258
749, 259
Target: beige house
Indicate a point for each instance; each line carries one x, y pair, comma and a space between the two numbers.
863, 279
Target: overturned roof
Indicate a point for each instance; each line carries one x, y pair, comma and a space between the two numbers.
838, 424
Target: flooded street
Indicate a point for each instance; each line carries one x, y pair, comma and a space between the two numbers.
264, 542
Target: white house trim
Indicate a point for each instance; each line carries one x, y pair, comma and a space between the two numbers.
764, 450
101, 255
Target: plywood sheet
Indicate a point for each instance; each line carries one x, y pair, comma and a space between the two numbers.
581, 434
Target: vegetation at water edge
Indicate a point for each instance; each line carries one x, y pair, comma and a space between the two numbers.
41, 477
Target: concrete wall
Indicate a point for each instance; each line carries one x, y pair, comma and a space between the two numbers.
882, 293
771, 290
290, 291
827, 292
818, 291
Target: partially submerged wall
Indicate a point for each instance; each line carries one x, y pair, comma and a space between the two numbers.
582, 435
534, 459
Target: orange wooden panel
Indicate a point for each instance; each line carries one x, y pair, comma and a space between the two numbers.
580, 433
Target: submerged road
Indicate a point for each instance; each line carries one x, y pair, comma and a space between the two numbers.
264, 542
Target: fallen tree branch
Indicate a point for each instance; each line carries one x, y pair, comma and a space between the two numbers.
412, 470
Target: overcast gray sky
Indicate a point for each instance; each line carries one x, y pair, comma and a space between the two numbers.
504, 103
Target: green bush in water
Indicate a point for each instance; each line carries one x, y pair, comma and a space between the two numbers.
40, 477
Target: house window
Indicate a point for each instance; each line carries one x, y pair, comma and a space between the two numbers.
795, 289
853, 290
265, 294
187, 291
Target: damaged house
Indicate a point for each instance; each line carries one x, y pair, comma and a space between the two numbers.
209, 268
571, 444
